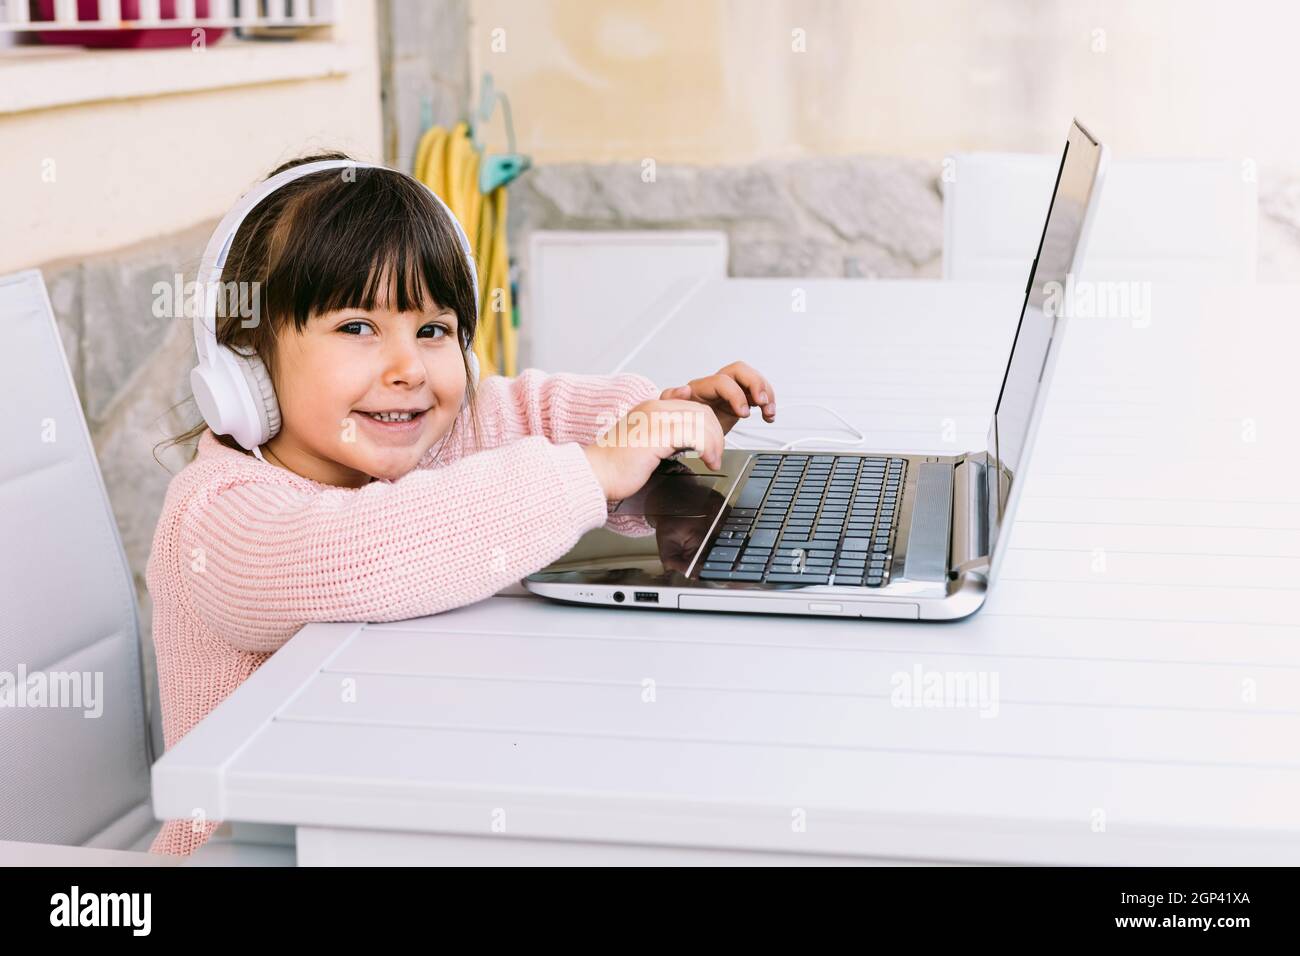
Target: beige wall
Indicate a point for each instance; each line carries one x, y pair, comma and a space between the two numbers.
131, 170
716, 81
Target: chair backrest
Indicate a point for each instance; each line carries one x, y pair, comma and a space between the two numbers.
1157, 220
74, 736
585, 291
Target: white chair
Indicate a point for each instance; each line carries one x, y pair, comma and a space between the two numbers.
75, 787
1158, 220
584, 292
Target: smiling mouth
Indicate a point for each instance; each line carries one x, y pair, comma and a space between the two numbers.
404, 416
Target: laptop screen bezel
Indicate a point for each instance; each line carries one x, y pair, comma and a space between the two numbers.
999, 480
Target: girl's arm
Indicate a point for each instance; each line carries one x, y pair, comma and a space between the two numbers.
259, 561
561, 407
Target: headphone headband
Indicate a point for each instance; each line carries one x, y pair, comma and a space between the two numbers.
218, 248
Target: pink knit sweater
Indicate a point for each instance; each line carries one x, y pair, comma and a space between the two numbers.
246, 553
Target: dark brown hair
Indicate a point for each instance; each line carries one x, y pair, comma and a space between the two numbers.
326, 242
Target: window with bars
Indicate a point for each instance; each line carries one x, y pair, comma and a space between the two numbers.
136, 23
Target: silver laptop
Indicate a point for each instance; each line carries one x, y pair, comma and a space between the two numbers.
886, 534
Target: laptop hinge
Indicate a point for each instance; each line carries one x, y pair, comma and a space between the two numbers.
970, 517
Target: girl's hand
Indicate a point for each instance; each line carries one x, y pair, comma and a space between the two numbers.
730, 393
624, 457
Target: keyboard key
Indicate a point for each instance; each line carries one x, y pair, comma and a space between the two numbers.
751, 496
763, 538
723, 554
856, 544
808, 578
731, 576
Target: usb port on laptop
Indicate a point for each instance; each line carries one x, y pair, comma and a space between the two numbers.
646, 597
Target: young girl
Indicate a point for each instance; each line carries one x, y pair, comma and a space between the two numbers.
367, 308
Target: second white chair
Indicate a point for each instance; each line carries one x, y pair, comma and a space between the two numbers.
1158, 220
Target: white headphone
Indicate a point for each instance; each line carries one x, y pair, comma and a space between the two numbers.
233, 388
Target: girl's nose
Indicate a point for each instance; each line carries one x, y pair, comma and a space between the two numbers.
403, 364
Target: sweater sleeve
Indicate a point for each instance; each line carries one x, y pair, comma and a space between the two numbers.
261, 560
562, 407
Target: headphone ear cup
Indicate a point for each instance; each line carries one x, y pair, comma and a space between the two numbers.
263, 392
473, 368
472, 385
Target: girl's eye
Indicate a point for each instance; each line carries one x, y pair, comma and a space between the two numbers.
433, 331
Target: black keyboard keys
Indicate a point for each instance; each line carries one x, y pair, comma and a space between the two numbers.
810, 520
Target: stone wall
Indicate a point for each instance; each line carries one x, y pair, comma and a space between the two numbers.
852, 216
855, 216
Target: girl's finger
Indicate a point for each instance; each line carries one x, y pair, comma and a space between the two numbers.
703, 437
760, 390
716, 442
727, 389
769, 407
755, 385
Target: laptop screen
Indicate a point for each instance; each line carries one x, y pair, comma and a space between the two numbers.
1055, 260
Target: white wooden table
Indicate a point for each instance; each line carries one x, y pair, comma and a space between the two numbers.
1143, 636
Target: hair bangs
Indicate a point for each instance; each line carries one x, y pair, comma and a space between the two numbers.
381, 241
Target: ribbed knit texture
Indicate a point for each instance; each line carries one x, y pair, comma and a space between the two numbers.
246, 553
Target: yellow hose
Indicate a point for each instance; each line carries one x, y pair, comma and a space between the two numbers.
448, 163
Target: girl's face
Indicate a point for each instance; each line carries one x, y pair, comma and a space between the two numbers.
347, 364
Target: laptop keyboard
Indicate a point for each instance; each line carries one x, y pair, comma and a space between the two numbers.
810, 519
